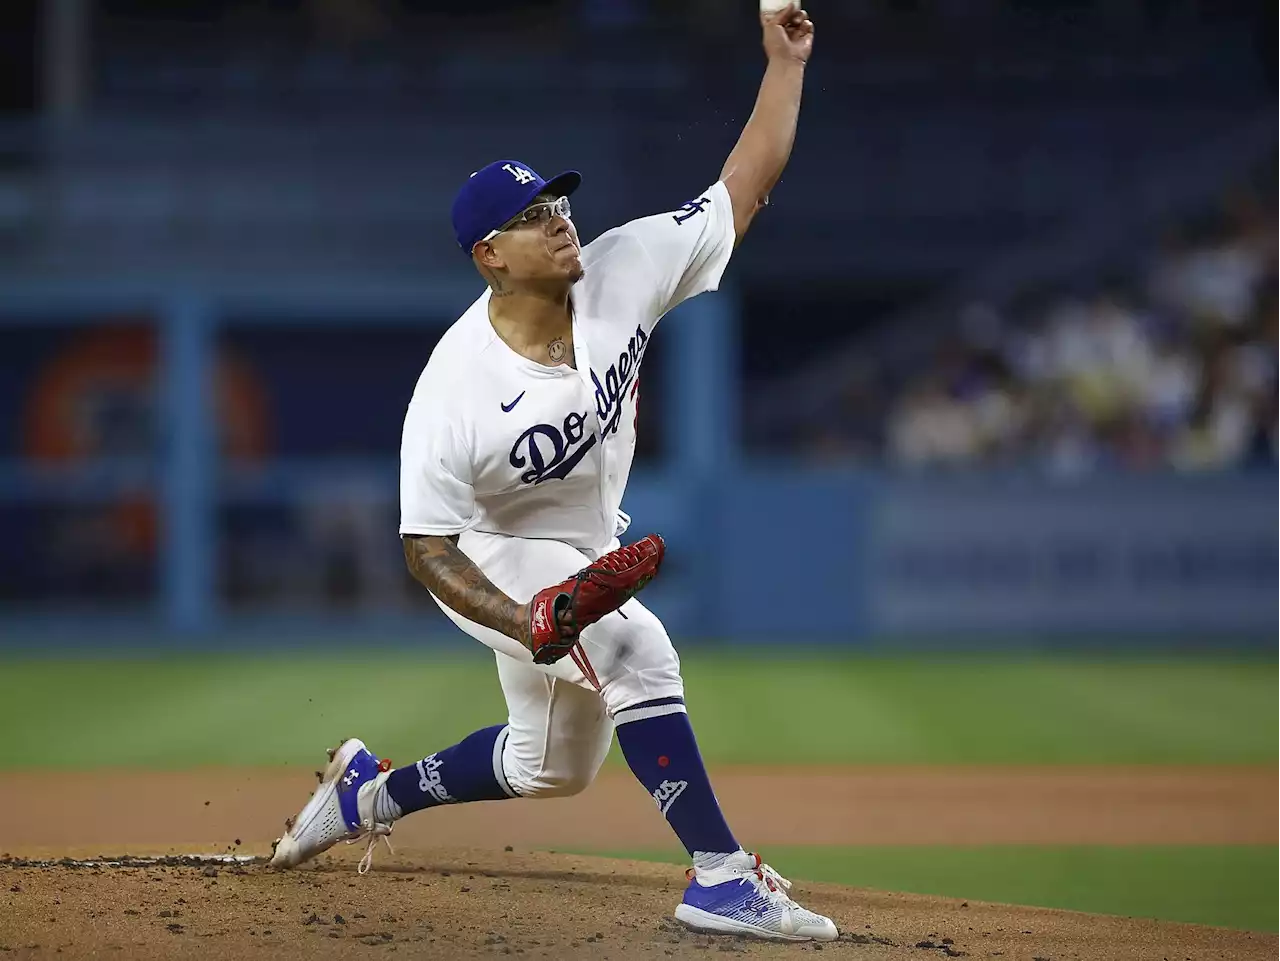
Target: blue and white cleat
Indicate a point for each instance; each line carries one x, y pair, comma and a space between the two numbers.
745, 897
341, 809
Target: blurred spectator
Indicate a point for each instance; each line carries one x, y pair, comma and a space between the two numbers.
1175, 368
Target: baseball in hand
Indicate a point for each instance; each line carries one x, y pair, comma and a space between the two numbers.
770, 7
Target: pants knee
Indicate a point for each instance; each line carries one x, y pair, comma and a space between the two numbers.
562, 761
566, 781
654, 675
547, 784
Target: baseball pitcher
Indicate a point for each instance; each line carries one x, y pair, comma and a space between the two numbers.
516, 449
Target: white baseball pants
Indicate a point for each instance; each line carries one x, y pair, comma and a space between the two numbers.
561, 716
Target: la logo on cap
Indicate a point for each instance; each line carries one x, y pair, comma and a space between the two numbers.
522, 176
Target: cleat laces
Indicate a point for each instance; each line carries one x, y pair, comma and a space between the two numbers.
371, 830
771, 884
372, 833
767, 882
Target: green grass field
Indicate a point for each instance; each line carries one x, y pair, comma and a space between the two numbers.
175, 712
811, 708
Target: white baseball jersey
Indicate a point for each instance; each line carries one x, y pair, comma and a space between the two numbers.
497, 443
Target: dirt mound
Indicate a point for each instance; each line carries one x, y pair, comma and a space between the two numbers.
485, 904
477, 901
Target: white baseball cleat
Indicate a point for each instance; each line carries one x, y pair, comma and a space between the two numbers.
341, 809
744, 896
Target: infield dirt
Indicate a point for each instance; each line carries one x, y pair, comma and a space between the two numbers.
466, 882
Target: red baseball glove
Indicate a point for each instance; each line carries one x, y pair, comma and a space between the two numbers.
557, 614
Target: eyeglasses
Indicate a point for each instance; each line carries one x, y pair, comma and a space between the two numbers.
539, 213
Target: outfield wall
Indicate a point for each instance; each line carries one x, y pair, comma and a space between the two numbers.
825, 556
983, 555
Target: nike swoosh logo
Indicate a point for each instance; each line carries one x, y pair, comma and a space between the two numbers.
508, 408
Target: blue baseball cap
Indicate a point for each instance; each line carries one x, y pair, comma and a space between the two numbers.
494, 194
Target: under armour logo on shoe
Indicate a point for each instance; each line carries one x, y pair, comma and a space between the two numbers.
351, 775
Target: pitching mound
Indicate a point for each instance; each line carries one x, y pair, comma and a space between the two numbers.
483, 904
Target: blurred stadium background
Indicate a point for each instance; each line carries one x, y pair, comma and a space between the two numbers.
995, 373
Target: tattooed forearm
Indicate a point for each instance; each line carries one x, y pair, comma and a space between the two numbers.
438, 564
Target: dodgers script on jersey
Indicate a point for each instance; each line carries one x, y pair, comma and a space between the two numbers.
495, 442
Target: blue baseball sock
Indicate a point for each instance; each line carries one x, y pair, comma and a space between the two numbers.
471, 770
657, 740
